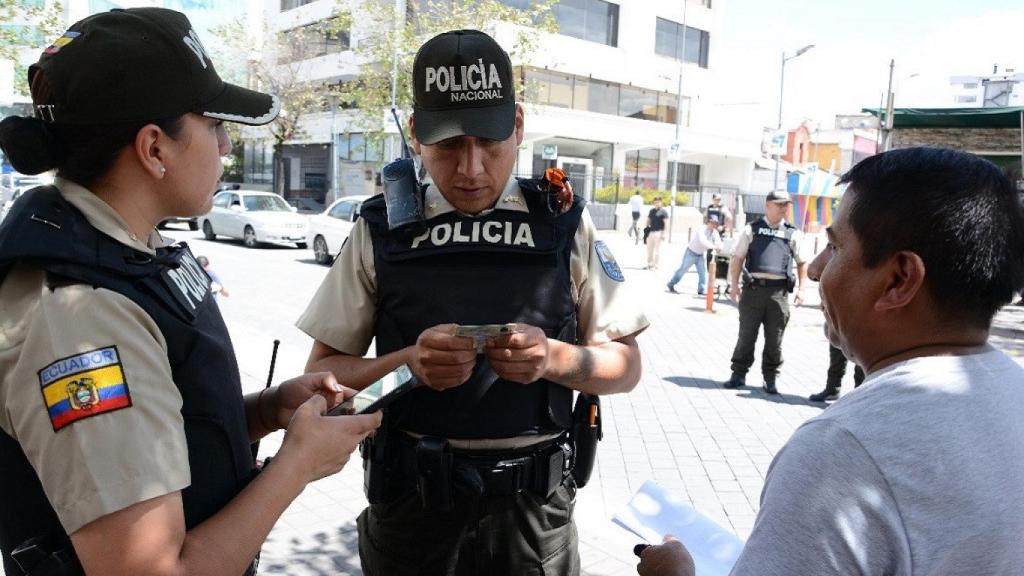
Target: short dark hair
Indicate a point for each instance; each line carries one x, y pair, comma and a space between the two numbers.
959, 213
656, 199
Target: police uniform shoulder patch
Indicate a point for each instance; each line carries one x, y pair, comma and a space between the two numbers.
611, 267
84, 385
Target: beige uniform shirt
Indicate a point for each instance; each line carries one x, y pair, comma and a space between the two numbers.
343, 311
743, 244
59, 349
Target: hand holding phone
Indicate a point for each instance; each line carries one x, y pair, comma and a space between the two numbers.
378, 395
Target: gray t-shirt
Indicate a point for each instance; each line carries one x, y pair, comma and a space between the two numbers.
920, 471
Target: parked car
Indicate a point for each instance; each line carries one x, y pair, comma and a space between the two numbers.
329, 229
307, 205
193, 221
255, 217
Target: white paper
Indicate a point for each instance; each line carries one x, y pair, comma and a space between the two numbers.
654, 512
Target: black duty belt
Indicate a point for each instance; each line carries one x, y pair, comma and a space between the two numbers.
766, 283
539, 468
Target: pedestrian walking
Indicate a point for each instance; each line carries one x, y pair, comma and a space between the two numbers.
706, 240
216, 284
657, 224
636, 207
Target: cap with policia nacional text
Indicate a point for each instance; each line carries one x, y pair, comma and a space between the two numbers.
137, 65
462, 85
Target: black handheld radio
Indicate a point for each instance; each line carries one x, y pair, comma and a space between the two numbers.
403, 194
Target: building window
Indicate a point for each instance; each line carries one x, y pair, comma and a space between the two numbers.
642, 168
638, 103
971, 86
289, 4
667, 104
581, 93
687, 176
312, 40
596, 96
593, 20
966, 99
669, 41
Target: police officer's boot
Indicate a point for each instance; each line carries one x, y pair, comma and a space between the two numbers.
769, 384
737, 380
831, 392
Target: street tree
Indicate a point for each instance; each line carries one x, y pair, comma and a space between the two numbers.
279, 63
369, 96
28, 25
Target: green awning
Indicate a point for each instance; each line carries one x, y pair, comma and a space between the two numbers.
954, 117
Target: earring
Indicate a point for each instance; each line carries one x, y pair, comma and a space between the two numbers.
163, 170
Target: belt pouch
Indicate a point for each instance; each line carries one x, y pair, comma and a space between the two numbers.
549, 470
434, 473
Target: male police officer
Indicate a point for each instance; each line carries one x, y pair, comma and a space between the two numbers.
471, 472
767, 248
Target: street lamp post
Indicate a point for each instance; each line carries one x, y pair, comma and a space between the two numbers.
782, 84
679, 119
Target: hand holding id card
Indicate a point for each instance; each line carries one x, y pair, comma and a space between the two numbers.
481, 332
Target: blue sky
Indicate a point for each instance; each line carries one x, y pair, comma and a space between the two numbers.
848, 69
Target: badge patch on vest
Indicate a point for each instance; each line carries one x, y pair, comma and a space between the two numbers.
611, 267
84, 385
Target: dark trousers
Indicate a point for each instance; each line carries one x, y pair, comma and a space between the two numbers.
518, 534
837, 369
761, 306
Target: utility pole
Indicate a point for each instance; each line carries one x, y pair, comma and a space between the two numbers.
890, 98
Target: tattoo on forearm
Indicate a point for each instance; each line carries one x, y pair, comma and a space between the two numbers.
582, 368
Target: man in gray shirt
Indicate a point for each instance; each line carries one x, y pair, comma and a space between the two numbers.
920, 471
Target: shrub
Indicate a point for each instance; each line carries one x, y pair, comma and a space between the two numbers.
606, 195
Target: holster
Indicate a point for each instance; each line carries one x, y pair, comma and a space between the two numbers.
586, 432
45, 557
434, 473
379, 469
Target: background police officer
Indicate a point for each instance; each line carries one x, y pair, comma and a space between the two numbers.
476, 477
125, 441
766, 251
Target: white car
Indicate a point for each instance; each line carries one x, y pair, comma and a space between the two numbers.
255, 217
329, 229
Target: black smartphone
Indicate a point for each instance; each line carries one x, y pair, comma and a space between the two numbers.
378, 395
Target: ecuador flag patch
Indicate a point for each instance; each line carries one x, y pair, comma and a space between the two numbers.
83, 386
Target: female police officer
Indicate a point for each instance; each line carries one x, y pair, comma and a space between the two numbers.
124, 436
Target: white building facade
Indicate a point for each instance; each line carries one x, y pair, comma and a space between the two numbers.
992, 91
602, 105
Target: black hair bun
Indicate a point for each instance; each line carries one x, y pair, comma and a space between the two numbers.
30, 144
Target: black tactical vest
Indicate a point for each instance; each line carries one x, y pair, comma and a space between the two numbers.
770, 251
47, 232
494, 269
715, 211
